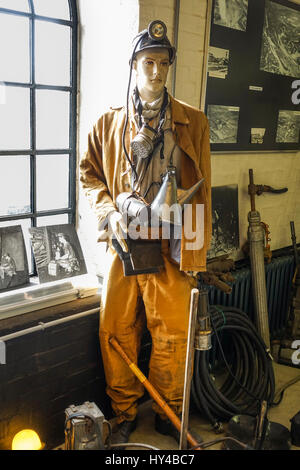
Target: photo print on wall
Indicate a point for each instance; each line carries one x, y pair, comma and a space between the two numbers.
280, 53
223, 122
225, 220
218, 61
13, 259
231, 14
57, 252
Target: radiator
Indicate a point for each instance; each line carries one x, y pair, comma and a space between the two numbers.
279, 275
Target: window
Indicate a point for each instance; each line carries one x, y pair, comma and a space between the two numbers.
38, 88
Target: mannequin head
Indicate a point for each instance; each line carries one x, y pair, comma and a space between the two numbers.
151, 67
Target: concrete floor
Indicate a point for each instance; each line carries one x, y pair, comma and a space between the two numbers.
289, 406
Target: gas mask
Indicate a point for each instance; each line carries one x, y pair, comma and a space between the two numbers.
144, 142
148, 138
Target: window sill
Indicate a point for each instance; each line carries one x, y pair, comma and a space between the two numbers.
39, 296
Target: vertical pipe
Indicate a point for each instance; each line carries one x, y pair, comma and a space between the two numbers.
189, 363
256, 243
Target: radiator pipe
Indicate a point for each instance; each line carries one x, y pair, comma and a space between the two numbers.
44, 326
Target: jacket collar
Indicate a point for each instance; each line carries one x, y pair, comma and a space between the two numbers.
183, 137
179, 115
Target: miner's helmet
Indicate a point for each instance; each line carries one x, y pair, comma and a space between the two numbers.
153, 37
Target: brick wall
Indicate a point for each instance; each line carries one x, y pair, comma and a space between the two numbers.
46, 371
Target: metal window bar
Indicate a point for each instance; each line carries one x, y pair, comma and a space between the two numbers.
33, 86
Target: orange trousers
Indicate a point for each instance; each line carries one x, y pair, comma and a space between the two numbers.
166, 297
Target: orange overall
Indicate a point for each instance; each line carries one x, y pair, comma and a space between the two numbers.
165, 295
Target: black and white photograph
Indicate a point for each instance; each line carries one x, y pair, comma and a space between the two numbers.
288, 127
218, 61
225, 220
231, 14
223, 123
280, 53
257, 135
57, 252
13, 258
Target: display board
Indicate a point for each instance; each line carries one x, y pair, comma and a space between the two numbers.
253, 75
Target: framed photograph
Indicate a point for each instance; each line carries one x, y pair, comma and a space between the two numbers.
57, 252
253, 64
13, 259
225, 221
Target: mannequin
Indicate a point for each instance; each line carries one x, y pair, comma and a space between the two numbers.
160, 299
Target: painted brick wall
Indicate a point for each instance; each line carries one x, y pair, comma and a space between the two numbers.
46, 371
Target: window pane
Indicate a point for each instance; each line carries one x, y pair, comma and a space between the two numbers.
14, 185
53, 220
15, 119
52, 119
19, 5
14, 48
52, 57
52, 182
53, 8
25, 224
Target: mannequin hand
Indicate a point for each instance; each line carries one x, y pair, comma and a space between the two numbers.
119, 228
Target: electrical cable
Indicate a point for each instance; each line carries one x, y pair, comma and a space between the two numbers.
279, 393
248, 363
127, 109
135, 444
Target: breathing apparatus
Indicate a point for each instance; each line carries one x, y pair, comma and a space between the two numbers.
147, 138
145, 142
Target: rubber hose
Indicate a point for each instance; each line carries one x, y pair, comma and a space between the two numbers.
237, 349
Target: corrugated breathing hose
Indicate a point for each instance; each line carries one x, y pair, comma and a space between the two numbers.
249, 377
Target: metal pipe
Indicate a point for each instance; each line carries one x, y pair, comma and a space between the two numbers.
44, 326
256, 244
189, 363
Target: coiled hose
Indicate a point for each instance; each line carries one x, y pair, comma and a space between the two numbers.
249, 377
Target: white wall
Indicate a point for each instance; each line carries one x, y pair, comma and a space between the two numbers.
106, 31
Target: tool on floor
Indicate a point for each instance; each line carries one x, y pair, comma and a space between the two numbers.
84, 427
295, 429
258, 432
256, 237
153, 392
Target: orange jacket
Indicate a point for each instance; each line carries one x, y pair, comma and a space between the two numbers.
104, 167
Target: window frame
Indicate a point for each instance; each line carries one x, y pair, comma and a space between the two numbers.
32, 152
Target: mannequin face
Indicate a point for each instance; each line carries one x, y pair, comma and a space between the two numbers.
151, 67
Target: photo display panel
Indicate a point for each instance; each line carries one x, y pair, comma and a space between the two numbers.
253, 75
